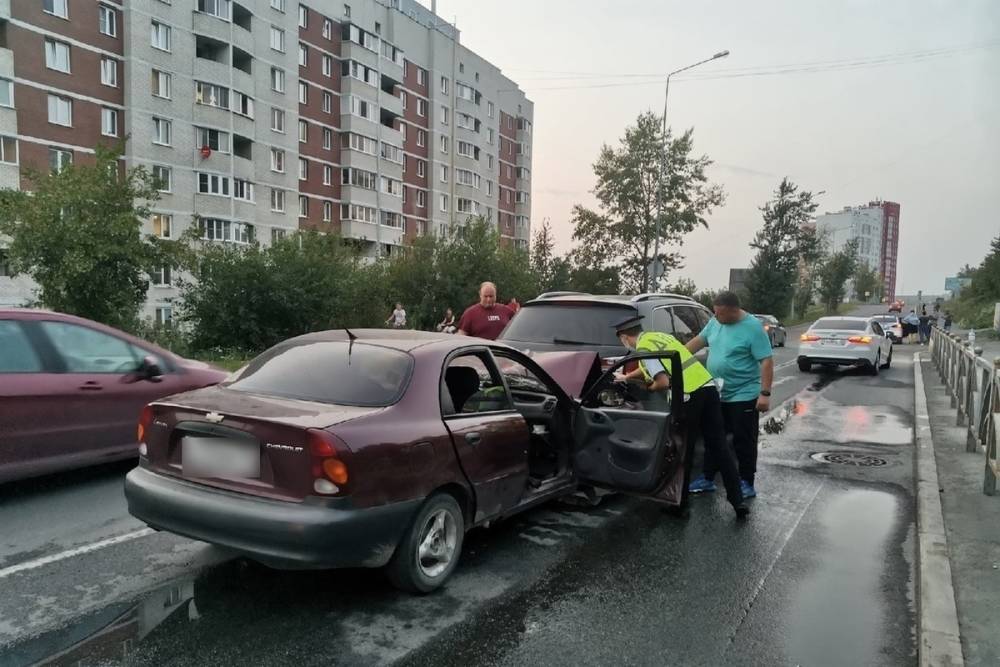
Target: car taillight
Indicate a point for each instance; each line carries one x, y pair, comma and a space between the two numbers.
328, 470
808, 338
862, 340
142, 429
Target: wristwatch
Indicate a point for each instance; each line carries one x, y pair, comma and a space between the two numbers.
765, 392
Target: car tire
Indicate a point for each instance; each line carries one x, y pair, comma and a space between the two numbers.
874, 368
431, 547
805, 366
888, 361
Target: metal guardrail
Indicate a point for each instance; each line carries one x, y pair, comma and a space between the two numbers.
973, 384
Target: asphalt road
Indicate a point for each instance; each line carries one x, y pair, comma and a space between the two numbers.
821, 574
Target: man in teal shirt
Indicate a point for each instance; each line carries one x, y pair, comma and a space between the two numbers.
739, 354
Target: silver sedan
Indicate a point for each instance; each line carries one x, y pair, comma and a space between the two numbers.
845, 341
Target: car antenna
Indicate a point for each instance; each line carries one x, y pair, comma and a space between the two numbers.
350, 346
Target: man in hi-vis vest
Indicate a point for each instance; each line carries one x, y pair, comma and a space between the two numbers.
701, 403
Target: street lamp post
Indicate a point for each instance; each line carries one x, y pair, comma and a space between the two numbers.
657, 271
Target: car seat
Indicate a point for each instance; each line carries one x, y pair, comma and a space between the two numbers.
462, 383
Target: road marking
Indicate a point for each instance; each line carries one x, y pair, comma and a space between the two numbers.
786, 364
77, 551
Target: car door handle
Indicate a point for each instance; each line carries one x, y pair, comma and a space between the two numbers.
91, 386
473, 438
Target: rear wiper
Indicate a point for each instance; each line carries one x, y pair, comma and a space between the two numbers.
566, 341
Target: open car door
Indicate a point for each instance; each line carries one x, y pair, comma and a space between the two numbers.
631, 443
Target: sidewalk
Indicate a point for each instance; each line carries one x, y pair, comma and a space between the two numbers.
972, 523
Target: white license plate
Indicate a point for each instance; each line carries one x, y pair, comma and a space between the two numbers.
831, 341
219, 457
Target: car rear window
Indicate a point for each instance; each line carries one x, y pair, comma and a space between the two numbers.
588, 324
328, 372
834, 323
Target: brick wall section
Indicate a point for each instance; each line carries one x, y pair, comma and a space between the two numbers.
82, 25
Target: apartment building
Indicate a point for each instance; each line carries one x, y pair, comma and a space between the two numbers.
368, 119
876, 229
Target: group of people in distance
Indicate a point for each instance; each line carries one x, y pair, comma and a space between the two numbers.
485, 319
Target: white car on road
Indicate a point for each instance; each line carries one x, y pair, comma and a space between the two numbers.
845, 341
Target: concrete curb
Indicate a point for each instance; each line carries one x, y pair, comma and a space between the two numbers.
938, 632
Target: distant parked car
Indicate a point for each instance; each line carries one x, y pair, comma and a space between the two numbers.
71, 390
892, 326
845, 341
896, 306
377, 448
776, 332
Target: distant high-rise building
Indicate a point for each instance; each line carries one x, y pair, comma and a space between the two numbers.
367, 118
876, 229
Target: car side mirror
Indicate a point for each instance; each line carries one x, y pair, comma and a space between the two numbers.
149, 370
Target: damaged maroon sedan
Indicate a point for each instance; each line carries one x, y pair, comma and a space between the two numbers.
381, 448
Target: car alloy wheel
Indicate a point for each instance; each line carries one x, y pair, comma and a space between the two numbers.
436, 548
888, 360
873, 370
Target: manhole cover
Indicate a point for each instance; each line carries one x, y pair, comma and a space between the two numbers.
849, 459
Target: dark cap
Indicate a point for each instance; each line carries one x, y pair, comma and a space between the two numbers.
630, 323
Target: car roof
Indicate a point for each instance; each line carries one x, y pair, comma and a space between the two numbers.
859, 320
405, 340
620, 300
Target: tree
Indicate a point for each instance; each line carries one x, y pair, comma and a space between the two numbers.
683, 286
621, 236
783, 245
834, 272
976, 302
78, 234
867, 284
543, 257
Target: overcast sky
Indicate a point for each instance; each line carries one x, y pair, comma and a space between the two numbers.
919, 128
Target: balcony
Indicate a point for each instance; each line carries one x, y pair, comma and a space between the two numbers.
352, 51
391, 104
351, 123
523, 160
368, 231
358, 160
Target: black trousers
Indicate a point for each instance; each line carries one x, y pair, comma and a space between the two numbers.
704, 417
742, 421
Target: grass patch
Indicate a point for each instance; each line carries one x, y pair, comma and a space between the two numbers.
227, 361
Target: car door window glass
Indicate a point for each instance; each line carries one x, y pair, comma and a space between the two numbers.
703, 317
519, 377
682, 329
87, 350
472, 386
141, 354
16, 353
877, 329
662, 321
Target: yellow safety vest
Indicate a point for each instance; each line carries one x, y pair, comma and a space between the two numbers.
695, 374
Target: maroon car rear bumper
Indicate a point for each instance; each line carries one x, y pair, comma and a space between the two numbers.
317, 533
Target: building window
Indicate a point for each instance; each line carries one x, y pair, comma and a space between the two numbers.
161, 131
327, 28
277, 80
214, 139
213, 229
421, 199
444, 203
303, 53
359, 107
444, 115
277, 200
327, 102
278, 120
444, 174
303, 131
303, 93
489, 161
243, 104
444, 144
327, 211
391, 187
161, 84
161, 276
347, 11
421, 107
59, 159
327, 65
461, 68
278, 160
213, 184
421, 138
56, 7
489, 137
402, 98
303, 169
303, 17
222, 9
421, 168
421, 76
360, 143
242, 189
7, 93
57, 55
392, 153
160, 36
162, 225
8, 150
444, 85
327, 139
359, 178
303, 206
211, 95
327, 175
277, 39
60, 110
164, 316
109, 72
489, 188
109, 122
163, 178
107, 20
278, 4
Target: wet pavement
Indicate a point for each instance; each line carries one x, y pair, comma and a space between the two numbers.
821, 574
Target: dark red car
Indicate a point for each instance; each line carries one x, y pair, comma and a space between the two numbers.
381, 448
71, 390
